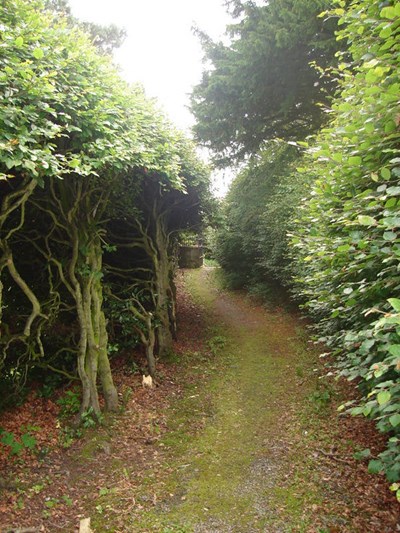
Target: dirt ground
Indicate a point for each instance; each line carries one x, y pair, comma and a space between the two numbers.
241, 435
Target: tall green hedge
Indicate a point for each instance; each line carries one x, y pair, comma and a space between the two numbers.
252, 243
78, 146
347, 238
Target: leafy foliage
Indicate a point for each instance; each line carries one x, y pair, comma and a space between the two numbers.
69, 403
252, 244
105, 38
96, 147
347, 237
14, 445
262, 84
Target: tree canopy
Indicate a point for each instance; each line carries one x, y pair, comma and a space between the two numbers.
105, 38
80, 150
262, 84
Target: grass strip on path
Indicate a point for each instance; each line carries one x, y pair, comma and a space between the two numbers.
253, 444
237, 473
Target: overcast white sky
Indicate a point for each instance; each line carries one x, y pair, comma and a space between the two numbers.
160, 51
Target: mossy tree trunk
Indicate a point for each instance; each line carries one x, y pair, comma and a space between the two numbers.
162, 282
146, 331
156, 243
12, 222
93, 362
76, 213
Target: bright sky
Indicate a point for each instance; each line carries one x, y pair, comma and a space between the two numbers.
161, 51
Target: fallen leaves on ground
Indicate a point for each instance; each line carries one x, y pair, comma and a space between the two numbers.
53, 490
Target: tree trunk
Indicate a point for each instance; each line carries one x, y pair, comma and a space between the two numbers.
85, 377
88, 355
164, 335
1, 301
109, 391
172, 307
162, 279
93, 359
151, 340
97, 353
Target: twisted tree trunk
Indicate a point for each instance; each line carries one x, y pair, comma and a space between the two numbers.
73, 211
93, 356
162, 272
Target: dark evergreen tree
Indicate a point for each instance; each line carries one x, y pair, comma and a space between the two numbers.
263, 84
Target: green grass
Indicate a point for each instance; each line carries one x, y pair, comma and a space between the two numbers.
213, 443
211, 263
252, 399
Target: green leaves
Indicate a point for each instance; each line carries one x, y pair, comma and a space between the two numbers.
38, 53
16, 446
261, 86
395, 303
74, 163
113, 125
364, 454
28, 441
389, 236
366, 220
347, 236
355, 161
375, 466
258, 209
393, 191
383, 397
390, 12
395, 420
